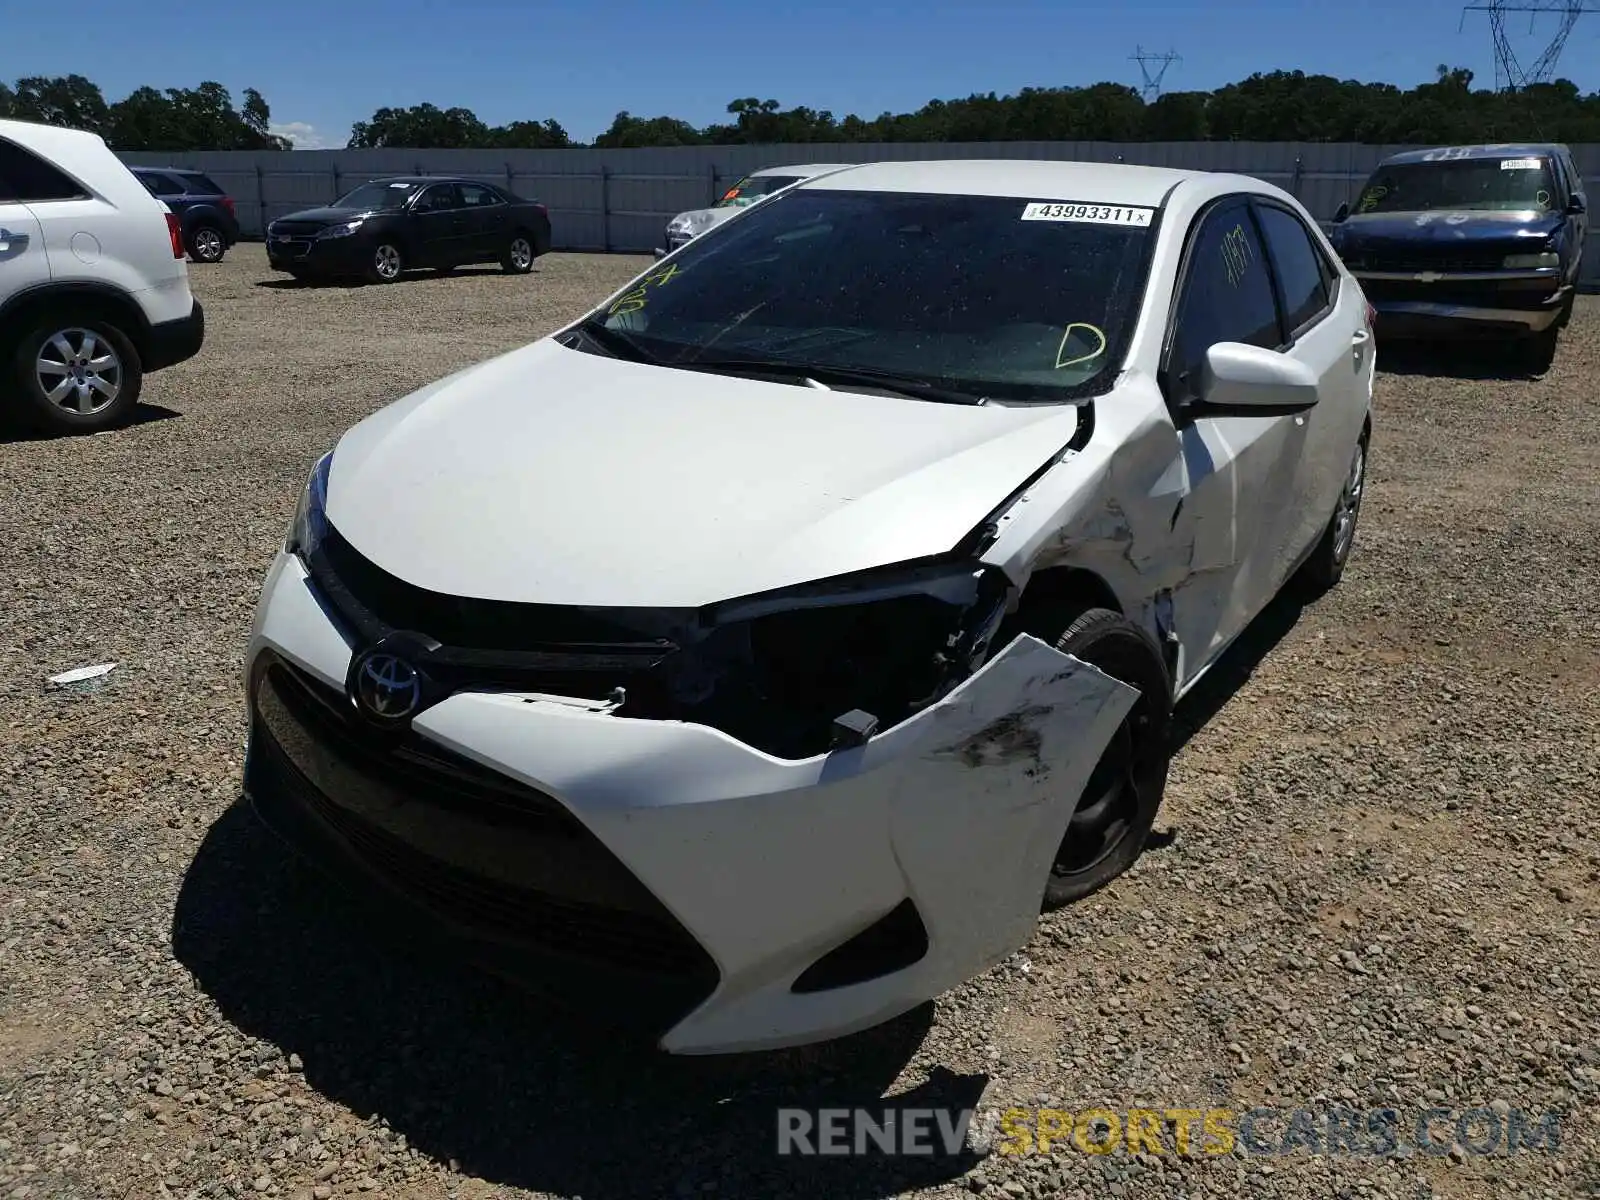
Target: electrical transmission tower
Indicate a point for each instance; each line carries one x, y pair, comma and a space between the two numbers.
1509, 73
1154, 68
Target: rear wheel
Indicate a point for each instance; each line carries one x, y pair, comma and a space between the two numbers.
206, 244
1326, 565
1108, 830
518, 258
76, 376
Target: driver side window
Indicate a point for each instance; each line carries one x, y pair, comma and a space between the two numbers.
1227, 294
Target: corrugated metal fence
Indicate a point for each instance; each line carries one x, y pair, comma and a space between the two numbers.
621, 199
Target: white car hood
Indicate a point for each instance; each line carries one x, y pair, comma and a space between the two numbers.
554, 476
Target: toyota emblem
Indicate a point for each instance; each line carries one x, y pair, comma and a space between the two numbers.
386, 687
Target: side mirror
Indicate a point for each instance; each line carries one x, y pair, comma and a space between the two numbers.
1241, 380
1577, 206
1341, 213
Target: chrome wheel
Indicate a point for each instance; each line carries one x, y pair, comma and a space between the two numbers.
521, 254
79, 371
386, 262
1344, 520
208, 245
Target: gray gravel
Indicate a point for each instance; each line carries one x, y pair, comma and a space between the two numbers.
1376, 884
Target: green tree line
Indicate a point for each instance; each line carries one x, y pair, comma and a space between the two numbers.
200, 118
1272, 106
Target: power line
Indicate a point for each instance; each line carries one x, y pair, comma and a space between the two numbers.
1154, 68
1509, 73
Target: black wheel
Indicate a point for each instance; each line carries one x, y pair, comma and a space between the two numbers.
386, 263
1108, 830
519, 255
1326, 565
76, 375
206, 244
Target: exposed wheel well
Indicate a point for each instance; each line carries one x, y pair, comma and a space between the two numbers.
1052, 591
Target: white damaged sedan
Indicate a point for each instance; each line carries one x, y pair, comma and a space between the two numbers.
756, 656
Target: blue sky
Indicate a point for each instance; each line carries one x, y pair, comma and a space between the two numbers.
322, 66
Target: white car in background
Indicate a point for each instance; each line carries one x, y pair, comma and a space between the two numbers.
750, 190
758, 654
94, 290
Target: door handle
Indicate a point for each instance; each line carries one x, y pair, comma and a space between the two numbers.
1360, 337
12, 243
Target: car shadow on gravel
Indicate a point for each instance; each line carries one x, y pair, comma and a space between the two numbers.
1237, 664
520, 1094
326, 283
1480, 360
12, 430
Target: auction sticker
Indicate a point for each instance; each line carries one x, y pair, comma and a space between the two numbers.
1093, 214
1520, 164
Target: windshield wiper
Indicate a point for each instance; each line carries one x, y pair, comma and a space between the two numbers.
617, 342
889, 381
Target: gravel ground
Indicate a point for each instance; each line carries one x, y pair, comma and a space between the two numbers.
1375, 884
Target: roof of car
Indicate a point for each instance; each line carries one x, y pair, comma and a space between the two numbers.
1456, 153
140, 169
428, 179
1034, 179
802, 169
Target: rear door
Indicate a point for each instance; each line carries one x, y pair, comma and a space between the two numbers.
23, 262
1327, 330
1240, 468
488, 220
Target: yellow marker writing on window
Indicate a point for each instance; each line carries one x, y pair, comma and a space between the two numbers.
1090, 333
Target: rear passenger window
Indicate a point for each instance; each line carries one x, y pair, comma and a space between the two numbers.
1297, 264
475, 195
166, 185
204, 185
1227, 293
27, 177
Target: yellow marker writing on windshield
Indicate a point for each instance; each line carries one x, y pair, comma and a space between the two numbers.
1096, 336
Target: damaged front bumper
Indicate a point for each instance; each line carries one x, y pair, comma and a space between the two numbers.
785, 901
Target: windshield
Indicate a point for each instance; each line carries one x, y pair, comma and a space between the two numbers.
752, 187
998, 297
376, 195
1474, 184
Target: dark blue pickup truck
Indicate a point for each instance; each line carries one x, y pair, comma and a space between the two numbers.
1470, 241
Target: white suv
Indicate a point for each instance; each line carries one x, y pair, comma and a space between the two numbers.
94, 292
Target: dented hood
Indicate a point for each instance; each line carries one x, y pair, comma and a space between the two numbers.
554, 476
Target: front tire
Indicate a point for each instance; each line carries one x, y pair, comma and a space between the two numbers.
76, 376
519, 255
386, 263
1108, 830
206, 244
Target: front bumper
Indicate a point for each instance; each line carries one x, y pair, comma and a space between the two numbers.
171, 342
327, 256
1463, 304
755, 865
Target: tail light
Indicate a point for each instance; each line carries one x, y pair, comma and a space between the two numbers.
175, 232
542, 210
1372, 315
227, 203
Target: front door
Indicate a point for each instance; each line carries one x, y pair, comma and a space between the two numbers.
439, 227
1240, 469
